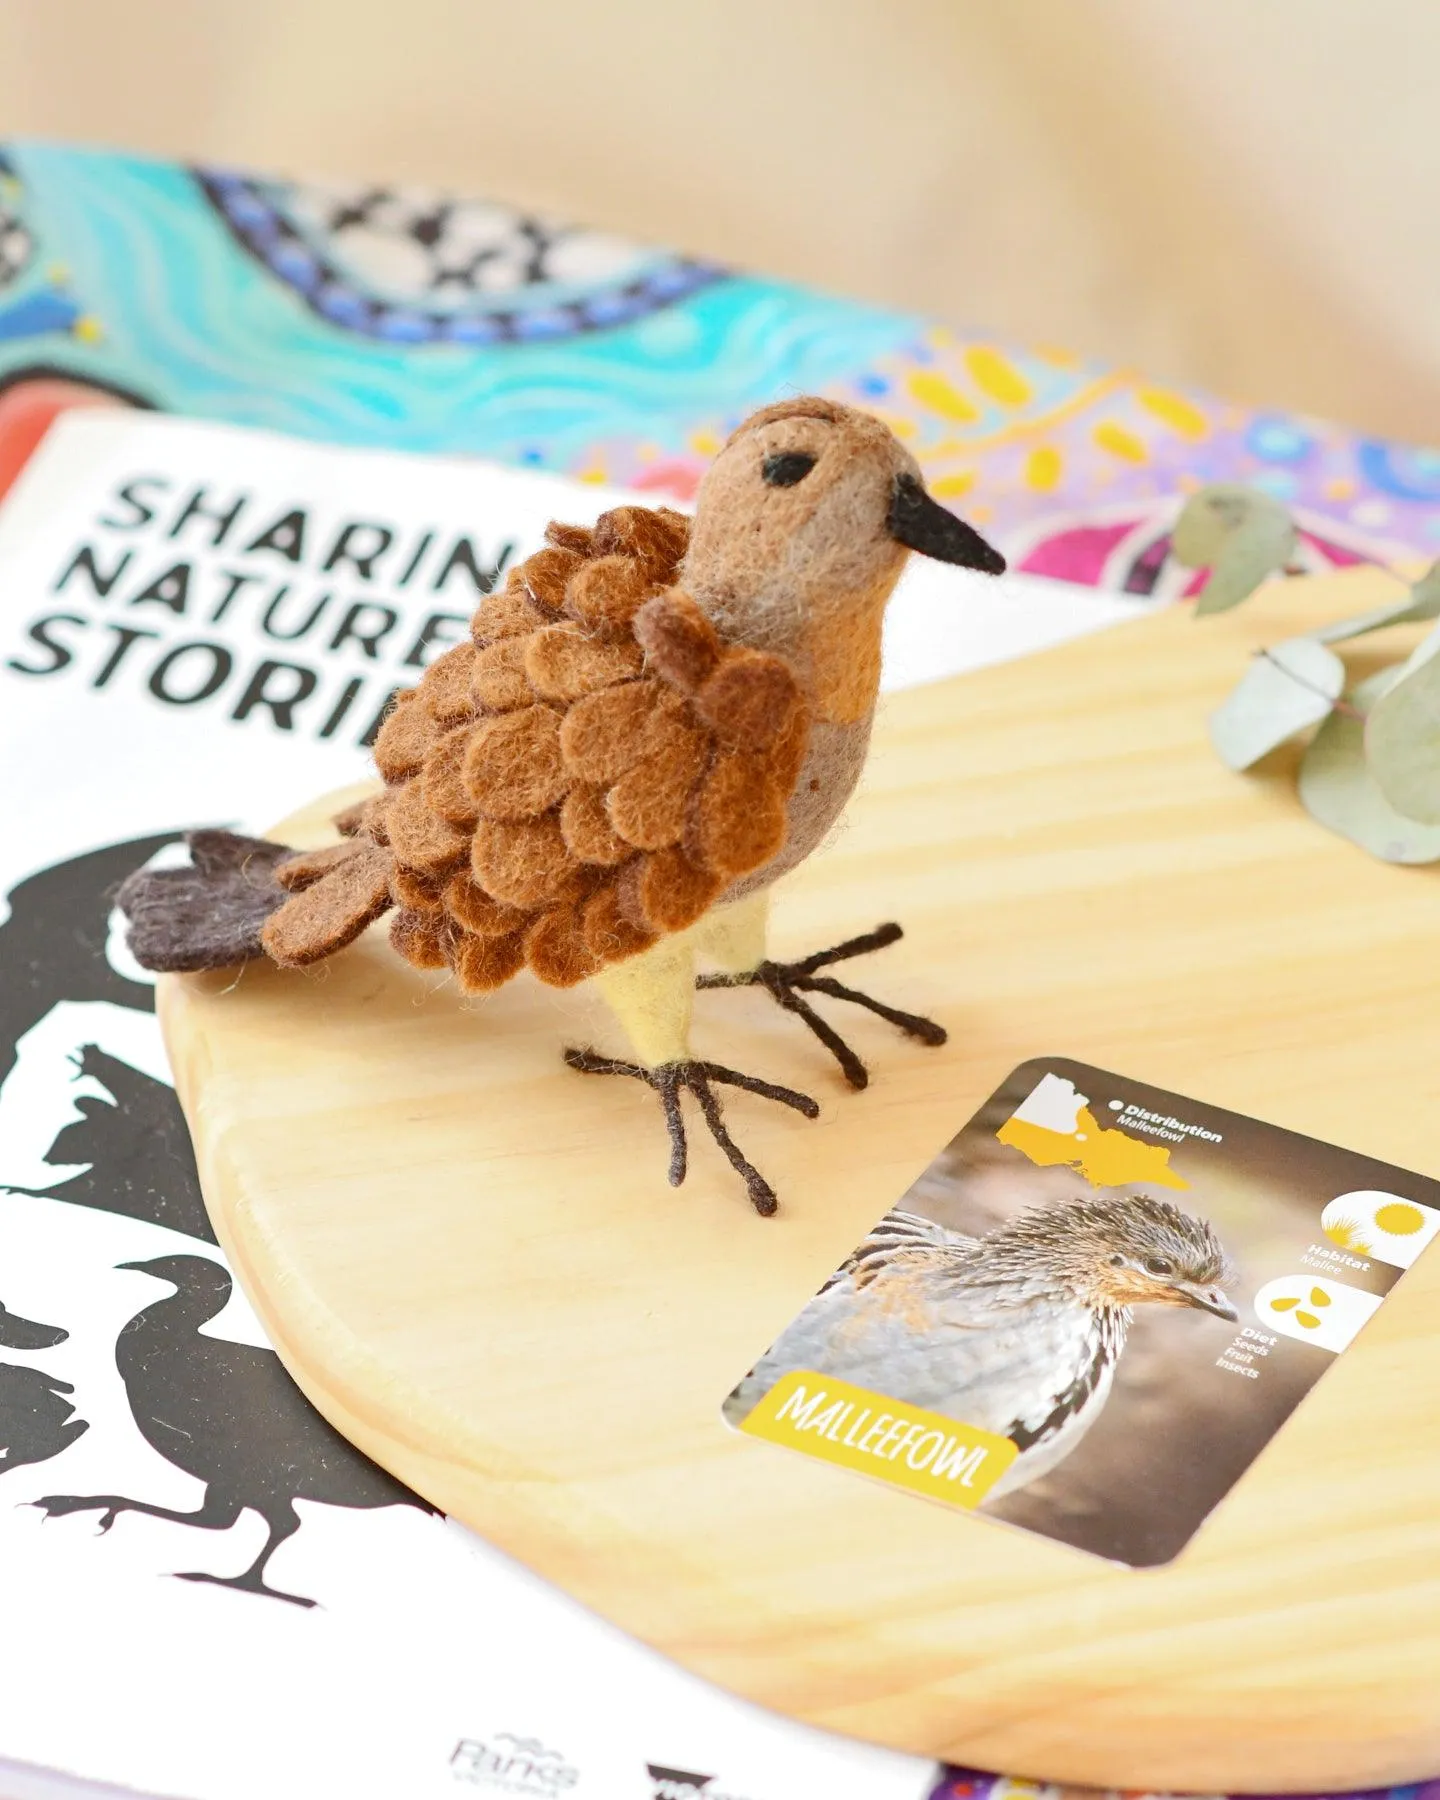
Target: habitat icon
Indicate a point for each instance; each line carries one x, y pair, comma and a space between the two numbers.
1370, 1222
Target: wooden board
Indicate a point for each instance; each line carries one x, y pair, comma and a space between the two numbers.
472, 1263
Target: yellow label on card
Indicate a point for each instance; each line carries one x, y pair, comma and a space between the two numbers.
904, 1445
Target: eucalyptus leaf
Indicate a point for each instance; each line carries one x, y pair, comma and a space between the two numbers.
1241, 535
1339, 791
1402, 742
1288, 687
1422, 602
1422, 653
1426, 591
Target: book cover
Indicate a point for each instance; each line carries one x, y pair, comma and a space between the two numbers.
207, 1593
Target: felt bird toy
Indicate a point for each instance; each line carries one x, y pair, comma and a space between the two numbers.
1018, 1332
655, 720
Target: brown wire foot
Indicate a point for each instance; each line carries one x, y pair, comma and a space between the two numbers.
670, 1080
788, 983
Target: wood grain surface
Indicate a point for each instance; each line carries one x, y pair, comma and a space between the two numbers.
471, 1261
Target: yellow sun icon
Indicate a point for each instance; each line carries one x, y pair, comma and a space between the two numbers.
1400, 1219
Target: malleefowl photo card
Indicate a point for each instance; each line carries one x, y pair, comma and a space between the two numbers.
1092, 1312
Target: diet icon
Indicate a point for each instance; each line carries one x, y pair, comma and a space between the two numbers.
1328, 1314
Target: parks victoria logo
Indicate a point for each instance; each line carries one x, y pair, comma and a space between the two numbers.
508, 1764
683, 1784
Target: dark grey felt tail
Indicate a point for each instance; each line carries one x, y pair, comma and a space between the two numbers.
209, 915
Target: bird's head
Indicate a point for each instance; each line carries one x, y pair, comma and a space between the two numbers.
187, 1273
1133, 1251
803, 523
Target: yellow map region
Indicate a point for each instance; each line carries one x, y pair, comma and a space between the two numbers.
1104, 1158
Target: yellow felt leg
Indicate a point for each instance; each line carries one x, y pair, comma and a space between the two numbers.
734, 936
652, 995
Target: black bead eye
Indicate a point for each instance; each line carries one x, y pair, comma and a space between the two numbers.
1157, 1265
787, 468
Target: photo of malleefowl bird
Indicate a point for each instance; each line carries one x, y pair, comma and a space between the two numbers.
655, 720
197, 1400
1018, 1332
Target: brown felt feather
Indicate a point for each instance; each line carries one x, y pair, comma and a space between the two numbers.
679, 641
474, 910
749, 699
648, 805
601, 736
610, 935
408, 732
739, 818
482, 964
667, 891
657, 538
545, 575
446, 687
510, 613
585, 826
564, 662
498, 682
513, 768
332, 912
307, 867
419, 837
605, 595
426, 939
556, 950
579, 538
442, 778
417, 892
522, 862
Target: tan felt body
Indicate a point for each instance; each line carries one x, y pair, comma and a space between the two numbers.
472, 1263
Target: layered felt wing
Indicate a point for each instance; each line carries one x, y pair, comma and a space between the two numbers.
589, 773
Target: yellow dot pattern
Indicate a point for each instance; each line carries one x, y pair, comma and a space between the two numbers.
997, 377
1174, 410
1120, 441
940, 396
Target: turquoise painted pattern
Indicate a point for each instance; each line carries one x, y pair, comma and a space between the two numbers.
189, 319
385, 317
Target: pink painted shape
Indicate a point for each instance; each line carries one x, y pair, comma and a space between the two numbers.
1079, 553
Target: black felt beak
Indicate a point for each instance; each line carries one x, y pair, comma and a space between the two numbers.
923, 524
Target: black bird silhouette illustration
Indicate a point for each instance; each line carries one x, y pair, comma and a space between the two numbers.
137, 1147
228, 1414
24, 1334
52, 946
36, 1420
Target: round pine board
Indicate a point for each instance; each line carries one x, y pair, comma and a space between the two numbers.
470, 1259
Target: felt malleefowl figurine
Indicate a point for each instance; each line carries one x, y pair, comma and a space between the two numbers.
655, 719
1018, 1332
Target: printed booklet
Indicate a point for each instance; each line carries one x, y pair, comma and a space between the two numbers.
206, 1593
